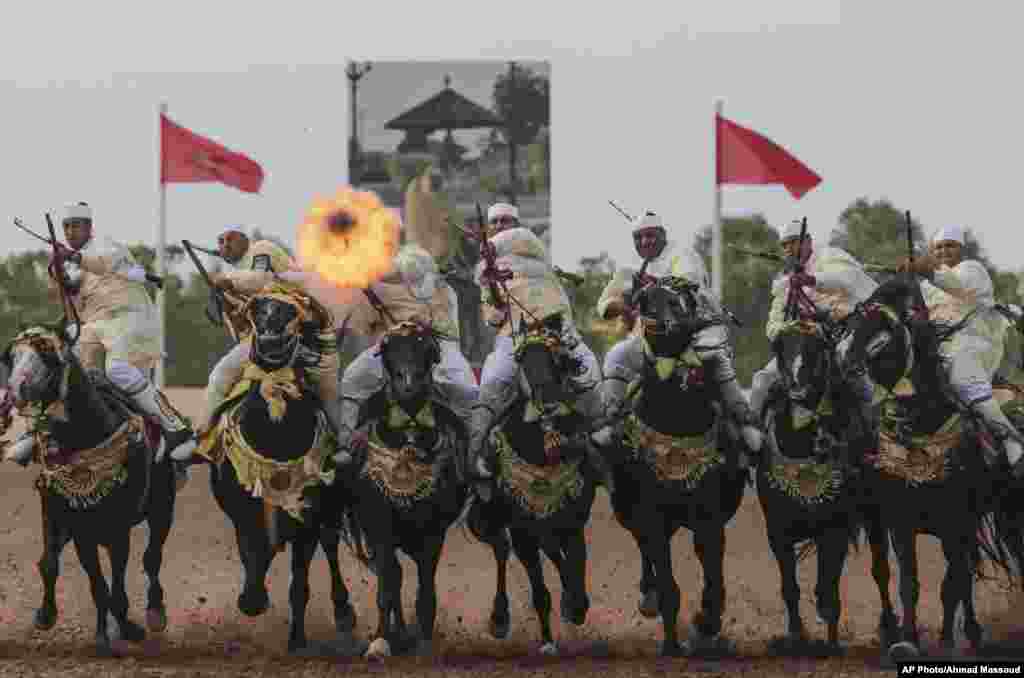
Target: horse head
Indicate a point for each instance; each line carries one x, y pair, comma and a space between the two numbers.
889, 334
805, 358
547, 365
36, 361
410, 351
280, 321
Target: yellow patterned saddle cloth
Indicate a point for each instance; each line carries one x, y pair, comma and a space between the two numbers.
683, 460
541, 491
398, 473
279, 484
94, 473
808, 482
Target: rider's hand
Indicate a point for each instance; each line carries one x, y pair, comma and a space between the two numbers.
62, 252
804, 280
221, 281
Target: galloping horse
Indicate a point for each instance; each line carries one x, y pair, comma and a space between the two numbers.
930, 475
544, 489
406, 490
98, 478
678, 466
804, 482
277, 442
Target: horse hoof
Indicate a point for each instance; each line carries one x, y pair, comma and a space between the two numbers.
903, 650
378, 650
499, 629
424, 648
253, 606
45, 618
788, 645
648, 606
131, 632
549, 650
156, 619
668, 649
347, 645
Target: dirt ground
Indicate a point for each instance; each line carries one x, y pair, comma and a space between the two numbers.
206, 634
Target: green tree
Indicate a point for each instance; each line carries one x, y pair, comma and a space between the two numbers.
522, 98
876, 232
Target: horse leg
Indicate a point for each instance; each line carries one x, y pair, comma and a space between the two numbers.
527, 550
832, 550
648, 606
573, 572
120, 548
389, 600
878, 538
904, 540
303, 548
254, 599
785, 556
159, 517
956, 586
709, 543
501, 620
972, 628
426, 591
657, 547
344, 613
54, 541
89, 557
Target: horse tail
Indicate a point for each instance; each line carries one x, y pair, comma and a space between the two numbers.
1001, 536
352, 533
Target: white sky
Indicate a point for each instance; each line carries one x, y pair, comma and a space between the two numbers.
916, 102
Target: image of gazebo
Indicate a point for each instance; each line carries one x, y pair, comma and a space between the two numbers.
447, 110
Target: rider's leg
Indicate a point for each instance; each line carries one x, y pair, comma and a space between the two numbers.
715, 354
363, 377
761, 386
225, 375
972, 385
498, 389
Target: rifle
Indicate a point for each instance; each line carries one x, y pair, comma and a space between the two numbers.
217, 295
621, 211
150, 277
792, 309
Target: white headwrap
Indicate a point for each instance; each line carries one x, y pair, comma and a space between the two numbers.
418, 269
954, 233
647, 220
792, 230
78, 211
234, 229
502, 209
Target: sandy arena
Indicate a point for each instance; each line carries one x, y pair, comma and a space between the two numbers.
206, 634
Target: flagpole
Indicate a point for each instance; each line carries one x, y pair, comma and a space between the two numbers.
161, 269
716, 228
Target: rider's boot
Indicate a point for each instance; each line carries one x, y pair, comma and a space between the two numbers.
736, 405
20, 451
179, 439
1004, 432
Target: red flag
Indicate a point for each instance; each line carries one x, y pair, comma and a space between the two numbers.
746, 157
187, 157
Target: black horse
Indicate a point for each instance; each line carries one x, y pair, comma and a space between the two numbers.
544, 489
405, 488
99, 478
959, 494
678, 467
272, 439
807, 492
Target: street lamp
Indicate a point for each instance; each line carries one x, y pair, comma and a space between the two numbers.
355, 73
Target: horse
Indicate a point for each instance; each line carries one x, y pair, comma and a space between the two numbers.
678, 464
404, 488
277, 442
808, 494
931, 473
98, 478
542, 494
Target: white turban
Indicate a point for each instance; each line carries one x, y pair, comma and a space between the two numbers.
792, 230
502, 209
954, 233
647, 220
78, 211
233, 229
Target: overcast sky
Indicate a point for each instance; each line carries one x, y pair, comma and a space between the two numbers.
916, 102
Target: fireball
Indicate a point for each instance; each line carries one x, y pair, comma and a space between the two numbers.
349, 240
